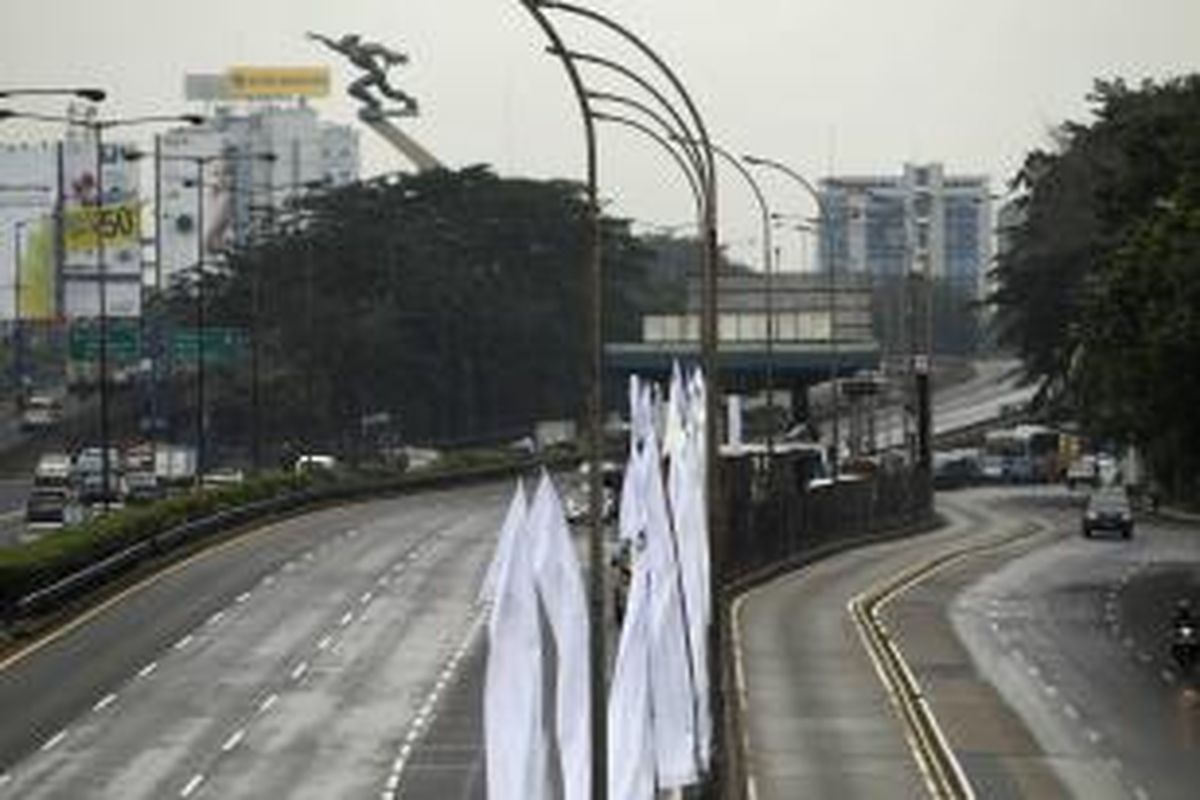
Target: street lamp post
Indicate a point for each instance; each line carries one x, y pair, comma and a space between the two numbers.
824, 224
594, 377
97, 127
201, 163
18, 338
538, 10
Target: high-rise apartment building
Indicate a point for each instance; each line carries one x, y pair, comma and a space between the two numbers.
922, 220
252, 162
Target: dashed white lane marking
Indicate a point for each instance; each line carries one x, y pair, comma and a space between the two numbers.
184, 642
268, 580
1050, 689
148, 670
1168, 676
54, 741
1145, 657
309, 556
1071, 711
243, 597
426, 715
104, 702
267, 702
1140, 793
5, 779
1128, 642
366, 598
1033, 670
384, 580
234, 740
299, 671
216, 618
323, 645
350, 534
346, 619
192, 785
1093, 735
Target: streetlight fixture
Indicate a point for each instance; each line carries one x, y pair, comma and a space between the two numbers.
823, 223
539, 9
201, 163
97, 127
88, 93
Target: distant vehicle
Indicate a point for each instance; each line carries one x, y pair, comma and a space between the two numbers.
47, 506
1108, 510
223, 477
953, 469
1085, 471
142, 487
41, 412
53, 471
314, 462
1024, 454
174, 465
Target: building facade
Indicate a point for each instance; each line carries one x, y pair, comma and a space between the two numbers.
51, 271
922, 221
255, 165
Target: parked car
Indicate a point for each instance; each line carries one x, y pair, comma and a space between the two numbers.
1108, 510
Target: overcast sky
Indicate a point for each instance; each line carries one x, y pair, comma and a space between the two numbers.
843, 86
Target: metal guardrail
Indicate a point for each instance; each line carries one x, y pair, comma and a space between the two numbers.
88, 578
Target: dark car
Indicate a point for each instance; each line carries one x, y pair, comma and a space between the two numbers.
1108, 510
47, 506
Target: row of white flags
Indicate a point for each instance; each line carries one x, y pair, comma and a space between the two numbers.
659, 725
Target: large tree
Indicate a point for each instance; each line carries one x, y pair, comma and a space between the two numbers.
452, 300
1099, 289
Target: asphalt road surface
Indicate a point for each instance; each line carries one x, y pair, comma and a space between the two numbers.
1075, 636
1045, 661
292, 662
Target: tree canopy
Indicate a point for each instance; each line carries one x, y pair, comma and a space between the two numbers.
453, 301
1099, 290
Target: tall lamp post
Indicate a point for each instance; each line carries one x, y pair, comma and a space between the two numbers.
833, 332
201, 163
539, 9
102, 221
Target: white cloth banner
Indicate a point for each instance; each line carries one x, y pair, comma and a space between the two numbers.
671, 693
630, 733
691, 532
514, 523
560, 586
512, 695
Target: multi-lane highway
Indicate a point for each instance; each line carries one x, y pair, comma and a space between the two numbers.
1043, 659
295, 661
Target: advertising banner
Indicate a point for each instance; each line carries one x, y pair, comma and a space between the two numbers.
248, 83
36, 300
117, 225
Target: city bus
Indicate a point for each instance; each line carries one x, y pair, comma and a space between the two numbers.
1024, 454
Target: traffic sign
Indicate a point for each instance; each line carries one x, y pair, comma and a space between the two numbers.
124, 340
221, 345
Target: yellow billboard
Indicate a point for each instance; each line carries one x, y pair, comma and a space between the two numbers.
119, 225
36, 274
248, 83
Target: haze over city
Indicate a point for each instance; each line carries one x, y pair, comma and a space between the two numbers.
832, 87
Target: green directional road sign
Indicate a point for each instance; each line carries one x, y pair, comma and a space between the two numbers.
124, 340
221, 345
